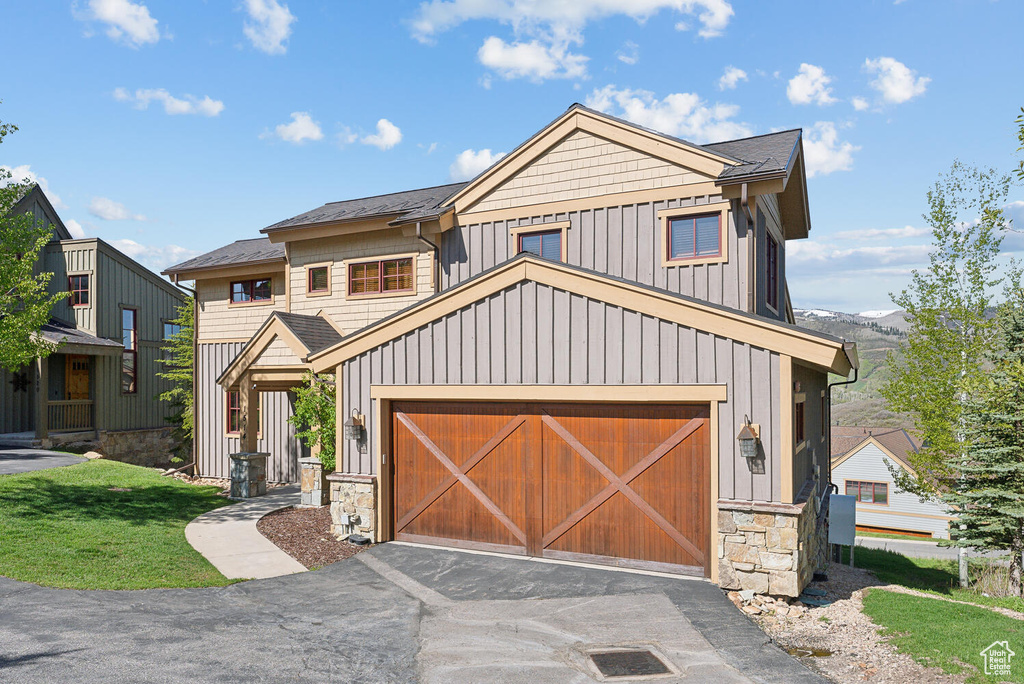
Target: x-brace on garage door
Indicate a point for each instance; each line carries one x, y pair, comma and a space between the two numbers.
625, 484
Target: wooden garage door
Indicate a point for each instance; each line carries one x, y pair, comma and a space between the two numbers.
621, 484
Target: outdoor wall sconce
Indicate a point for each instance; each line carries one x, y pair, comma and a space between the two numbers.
354, 426
749, 438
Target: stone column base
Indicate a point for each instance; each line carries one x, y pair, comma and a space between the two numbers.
353, 505
248, 474
315, 490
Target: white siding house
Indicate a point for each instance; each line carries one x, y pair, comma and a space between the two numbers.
861, 458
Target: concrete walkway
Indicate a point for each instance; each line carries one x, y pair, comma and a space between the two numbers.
26, 460
228, 538
921, 548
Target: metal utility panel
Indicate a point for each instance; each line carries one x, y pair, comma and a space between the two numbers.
842, 519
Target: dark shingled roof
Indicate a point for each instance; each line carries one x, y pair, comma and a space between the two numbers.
896, 440
313, 331
61, 333
238, 252
762, 154
425, 202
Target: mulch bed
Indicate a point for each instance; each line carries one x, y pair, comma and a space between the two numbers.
305, 535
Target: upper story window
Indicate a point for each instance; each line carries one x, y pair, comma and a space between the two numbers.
546, 244
695, 237
78, 285
381, 277
771, 280
318, 279
868, 492
243, 291
800, 422
129, 357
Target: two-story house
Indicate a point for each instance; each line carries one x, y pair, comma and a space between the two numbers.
100, 385
585, 353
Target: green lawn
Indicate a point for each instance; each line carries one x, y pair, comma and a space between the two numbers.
943, 634
925, 574
71, 528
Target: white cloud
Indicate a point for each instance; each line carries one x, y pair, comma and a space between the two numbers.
75, 228
387, 136
153, 257
187, 104
470, 163
881, 233
269, 25
533, 60
731, 78
25, 174
629, 53
895, 81
824, 152
681, 114
301, 129
109, 210
127, 22
809, 257
347, 136
810, 86
859, 103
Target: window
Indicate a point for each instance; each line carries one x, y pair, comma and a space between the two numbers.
379, 277
545, 244
693, 237
824, 414
170, 330
129, 357
771, 281
250, 291
79, 288
868, 492
234, 412
318, 279
799, 423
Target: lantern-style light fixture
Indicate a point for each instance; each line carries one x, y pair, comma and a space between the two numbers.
749, 438
354, 426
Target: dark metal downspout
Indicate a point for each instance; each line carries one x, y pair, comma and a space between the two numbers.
437, 255
828, 435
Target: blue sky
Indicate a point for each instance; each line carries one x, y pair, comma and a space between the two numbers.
171, 128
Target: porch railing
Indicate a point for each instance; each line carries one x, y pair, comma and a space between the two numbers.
70, 415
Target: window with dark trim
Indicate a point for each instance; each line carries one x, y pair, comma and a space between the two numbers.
547, 244
771, 281
243, 291
78, 285
380, 277
868, 492
170, 330
234, 412
694, 237
129, 357
824, 414
799, 422
318, 279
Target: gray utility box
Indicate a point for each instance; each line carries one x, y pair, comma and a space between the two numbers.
842, 519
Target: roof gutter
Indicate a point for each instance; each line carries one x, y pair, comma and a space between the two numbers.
175, 273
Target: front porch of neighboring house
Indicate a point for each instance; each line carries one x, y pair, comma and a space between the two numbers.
60, 398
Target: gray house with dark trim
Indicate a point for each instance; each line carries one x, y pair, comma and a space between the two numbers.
585, 353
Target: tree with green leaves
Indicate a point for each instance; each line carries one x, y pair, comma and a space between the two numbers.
990, 495
1020, 139
315, 416
179, 370
25, 299
948, 305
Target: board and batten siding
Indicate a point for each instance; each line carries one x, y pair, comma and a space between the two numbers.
535, 334
214, 445
813, 451
17, 409
905, 511
62, 259
622, 241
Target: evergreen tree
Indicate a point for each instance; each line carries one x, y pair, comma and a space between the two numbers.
989, 493
179, 369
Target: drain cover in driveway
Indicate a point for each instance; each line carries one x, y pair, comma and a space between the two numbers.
637, 663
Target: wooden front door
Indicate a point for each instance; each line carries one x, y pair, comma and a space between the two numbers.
76, 377
620, 484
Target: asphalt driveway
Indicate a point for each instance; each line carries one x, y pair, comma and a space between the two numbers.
392, 614
26, 460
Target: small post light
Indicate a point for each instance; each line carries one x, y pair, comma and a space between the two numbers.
354, 426
749, 439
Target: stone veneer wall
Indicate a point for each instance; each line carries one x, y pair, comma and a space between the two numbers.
769, 548
148, 448
355, 496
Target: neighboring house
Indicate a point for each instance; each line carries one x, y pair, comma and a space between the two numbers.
100, 384
861, 458
554, 359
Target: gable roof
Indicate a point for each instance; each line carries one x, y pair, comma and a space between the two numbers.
33, 194
894, 442
818, 349
761, 155
314, 332
254, 251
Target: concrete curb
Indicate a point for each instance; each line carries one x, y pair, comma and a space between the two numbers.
228, 538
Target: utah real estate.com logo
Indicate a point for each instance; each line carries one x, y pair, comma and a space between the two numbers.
997, 658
